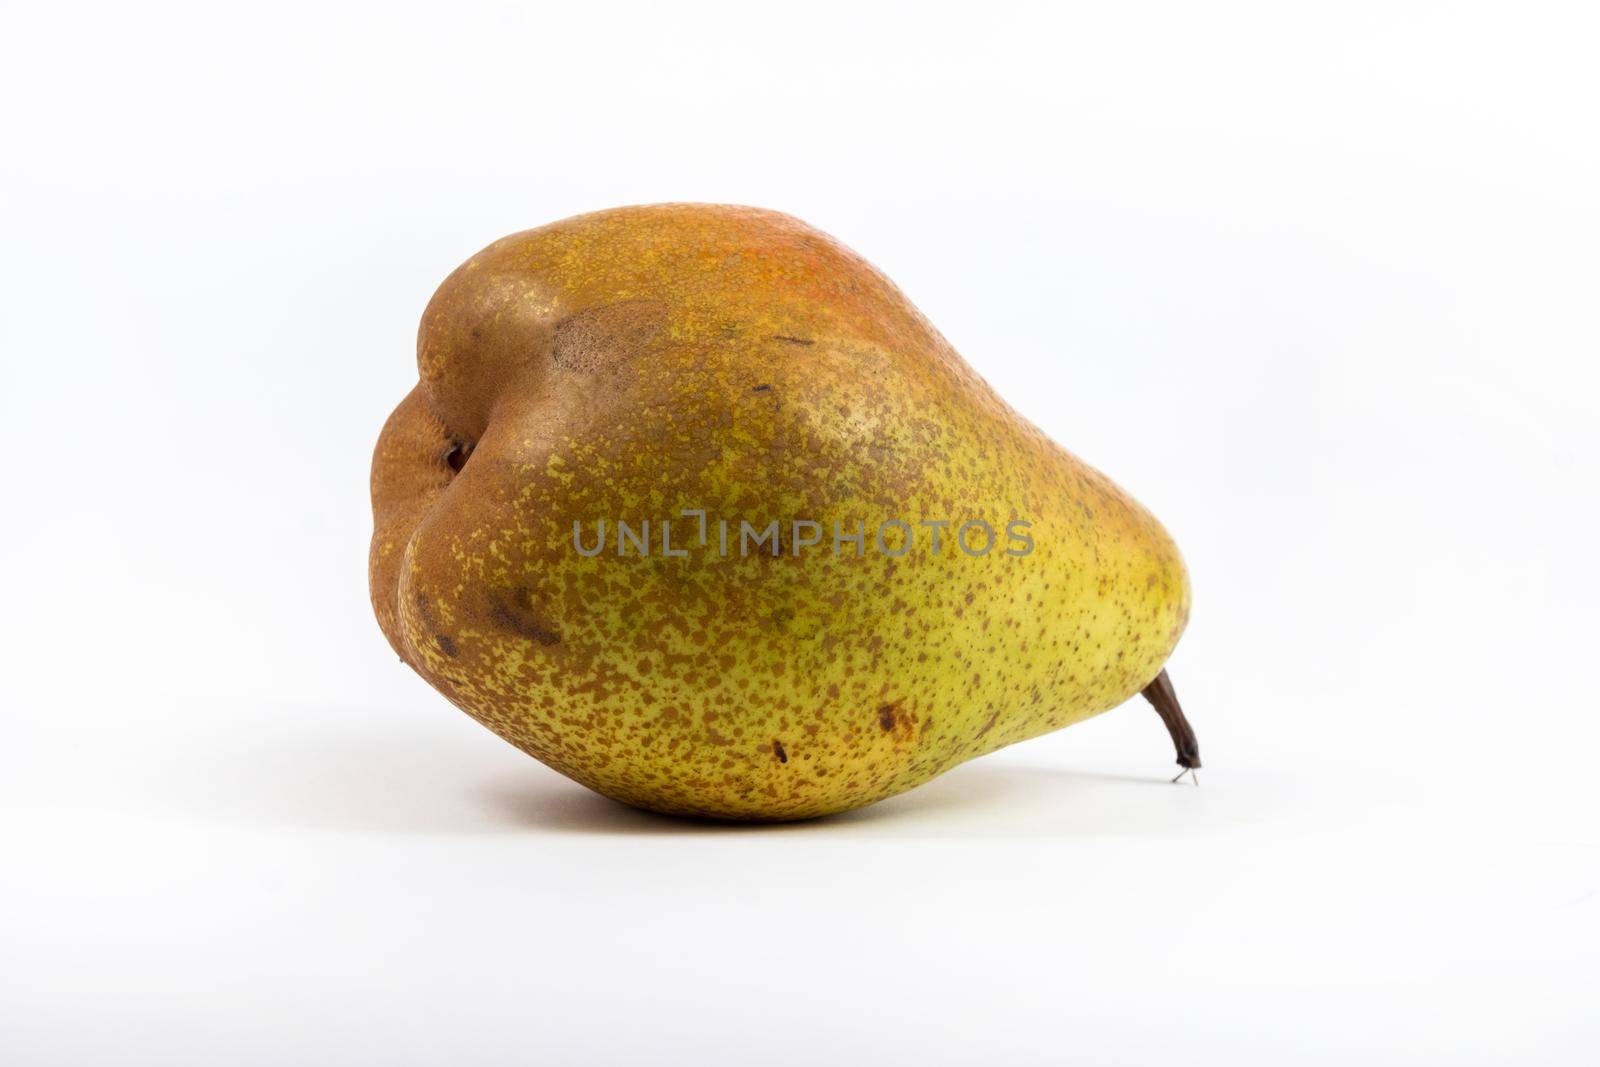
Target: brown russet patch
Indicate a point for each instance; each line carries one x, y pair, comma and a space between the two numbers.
607, 336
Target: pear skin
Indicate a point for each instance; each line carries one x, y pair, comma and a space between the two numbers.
680, 366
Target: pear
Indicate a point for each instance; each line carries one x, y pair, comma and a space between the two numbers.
693, 506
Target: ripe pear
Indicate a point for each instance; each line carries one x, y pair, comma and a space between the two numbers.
670, 382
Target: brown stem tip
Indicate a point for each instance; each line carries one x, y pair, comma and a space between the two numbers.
1164, 699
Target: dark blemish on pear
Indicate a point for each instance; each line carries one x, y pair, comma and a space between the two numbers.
777, 750
446, 645
518, 617
761, 389
886, 717
786, 339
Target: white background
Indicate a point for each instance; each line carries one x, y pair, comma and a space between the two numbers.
1317, 283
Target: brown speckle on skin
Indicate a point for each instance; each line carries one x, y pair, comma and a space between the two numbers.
777, 750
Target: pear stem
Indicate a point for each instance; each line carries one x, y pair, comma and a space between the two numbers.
1164, 699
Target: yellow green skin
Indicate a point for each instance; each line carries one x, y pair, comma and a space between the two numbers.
634, 363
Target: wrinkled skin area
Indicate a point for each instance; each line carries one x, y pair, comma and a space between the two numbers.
634, 363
